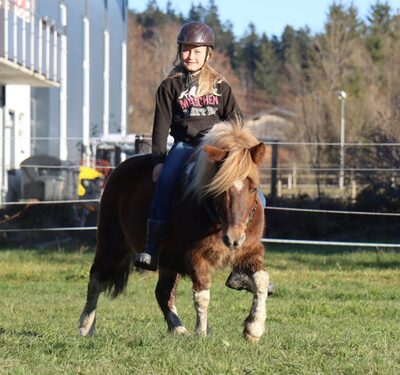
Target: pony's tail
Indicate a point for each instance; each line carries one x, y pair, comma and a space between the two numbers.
113, 260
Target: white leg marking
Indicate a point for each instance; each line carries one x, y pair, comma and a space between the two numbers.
201, 300
255, 323
87, 321
174, 310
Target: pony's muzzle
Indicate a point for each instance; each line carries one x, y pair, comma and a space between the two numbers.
233, 242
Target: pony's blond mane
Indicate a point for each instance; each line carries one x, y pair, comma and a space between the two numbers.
210, 179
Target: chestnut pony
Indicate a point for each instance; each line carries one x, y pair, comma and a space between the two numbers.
217, 220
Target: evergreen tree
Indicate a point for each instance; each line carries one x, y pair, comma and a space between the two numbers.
223, 33
335, 48
196, 13
266, 70
170, 12
286, 49
378, 28
248, 51
152, 15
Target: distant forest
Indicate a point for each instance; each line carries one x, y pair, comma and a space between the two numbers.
297, 70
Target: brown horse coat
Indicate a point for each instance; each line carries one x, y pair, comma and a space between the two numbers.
195, 243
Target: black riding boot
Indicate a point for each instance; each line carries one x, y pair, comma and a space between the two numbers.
240, 281
148, 259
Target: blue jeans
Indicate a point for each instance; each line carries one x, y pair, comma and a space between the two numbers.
262, 198
168, 180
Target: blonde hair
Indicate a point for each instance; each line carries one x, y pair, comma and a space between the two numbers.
211, 179
209, 78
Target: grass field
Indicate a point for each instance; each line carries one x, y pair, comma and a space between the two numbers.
336, 313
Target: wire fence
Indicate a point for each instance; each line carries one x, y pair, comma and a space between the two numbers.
288, 176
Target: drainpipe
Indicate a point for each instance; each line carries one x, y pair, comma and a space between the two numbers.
3, 124
123, 88
3, 119
106, 78
86, 91
63, 152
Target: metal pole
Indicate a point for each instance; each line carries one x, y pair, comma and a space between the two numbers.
341, 95
86, 92
63, 152
342, 130
106, 82
123, 88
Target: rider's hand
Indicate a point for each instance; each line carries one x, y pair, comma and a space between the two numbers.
157, 171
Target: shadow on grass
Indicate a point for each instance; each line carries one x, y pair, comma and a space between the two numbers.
23, 333
335, 257
326, 249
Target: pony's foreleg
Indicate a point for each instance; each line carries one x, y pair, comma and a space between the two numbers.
166, 298
201, 301
254, 325
87, 321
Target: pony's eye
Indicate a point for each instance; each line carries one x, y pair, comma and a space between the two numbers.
253, 190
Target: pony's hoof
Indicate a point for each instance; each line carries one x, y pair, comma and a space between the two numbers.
87, 333
271, 289
145, 261
253, 331
202, 333
87, 325
251, 338
180, 331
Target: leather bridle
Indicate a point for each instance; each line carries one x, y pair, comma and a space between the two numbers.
211, 209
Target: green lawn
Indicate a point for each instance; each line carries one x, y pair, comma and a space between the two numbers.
335, 313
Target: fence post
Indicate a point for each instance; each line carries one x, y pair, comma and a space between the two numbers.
353, 191
294, 176
279, 192
274, 168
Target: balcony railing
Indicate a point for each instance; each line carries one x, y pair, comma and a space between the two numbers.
29, 46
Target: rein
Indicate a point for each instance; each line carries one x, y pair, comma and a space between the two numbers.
251, 213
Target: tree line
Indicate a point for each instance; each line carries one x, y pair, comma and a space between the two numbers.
298, 70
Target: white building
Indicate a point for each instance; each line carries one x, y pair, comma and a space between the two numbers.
62, 78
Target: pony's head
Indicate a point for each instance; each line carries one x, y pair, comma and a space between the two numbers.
226, 170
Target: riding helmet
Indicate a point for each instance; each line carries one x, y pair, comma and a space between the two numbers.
196, 33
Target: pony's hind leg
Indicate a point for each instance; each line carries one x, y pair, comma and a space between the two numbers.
254, 325
166, 298
87, 321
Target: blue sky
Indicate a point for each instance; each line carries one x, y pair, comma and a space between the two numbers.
269, 16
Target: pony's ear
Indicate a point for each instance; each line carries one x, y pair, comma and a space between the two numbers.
214, 154
258, 152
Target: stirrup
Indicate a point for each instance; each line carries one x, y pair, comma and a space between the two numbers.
146, 262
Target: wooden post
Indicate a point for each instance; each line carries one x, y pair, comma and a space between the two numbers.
274, 169
353, 191
294, 176
279, 191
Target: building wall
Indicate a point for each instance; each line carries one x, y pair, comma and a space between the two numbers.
17, 124
101, 14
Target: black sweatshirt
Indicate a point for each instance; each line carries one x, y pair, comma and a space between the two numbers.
186, 116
